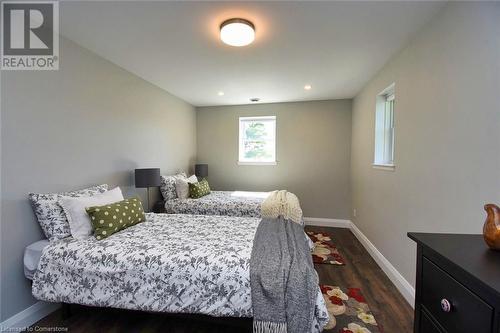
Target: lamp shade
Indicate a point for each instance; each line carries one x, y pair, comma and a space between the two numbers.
201, 170
147, 177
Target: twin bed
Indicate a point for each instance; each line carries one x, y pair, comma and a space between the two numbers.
226, 203
195, 262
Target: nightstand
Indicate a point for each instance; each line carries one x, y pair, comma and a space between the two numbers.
457, 284
159, 207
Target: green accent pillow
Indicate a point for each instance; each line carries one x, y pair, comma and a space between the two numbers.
199, 189
108, 219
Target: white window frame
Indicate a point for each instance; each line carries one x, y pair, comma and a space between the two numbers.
241, 150
385, 129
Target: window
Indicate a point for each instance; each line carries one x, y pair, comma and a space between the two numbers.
384, 129
257, 144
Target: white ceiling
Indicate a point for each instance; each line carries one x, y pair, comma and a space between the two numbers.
334, 46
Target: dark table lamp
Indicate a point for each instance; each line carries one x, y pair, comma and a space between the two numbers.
201, 171
147, 178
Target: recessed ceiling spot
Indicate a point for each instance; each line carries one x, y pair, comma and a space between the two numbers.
307, 87
237, 32
220, 93
255, 99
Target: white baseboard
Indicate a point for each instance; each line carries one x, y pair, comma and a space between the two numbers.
323, 222
28, 316
404, 287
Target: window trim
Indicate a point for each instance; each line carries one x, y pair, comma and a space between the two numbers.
240, 141
388, 167
386, 95
258, 163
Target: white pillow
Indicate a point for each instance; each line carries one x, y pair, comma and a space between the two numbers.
79, 221
182, 186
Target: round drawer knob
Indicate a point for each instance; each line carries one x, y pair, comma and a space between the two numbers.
445, 305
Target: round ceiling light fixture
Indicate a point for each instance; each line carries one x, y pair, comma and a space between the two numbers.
237, 32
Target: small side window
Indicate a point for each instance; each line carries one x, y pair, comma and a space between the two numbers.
384, 128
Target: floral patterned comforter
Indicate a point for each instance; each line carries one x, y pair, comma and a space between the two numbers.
230, 203
170, 263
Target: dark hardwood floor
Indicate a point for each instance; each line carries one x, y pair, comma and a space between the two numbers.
389, 307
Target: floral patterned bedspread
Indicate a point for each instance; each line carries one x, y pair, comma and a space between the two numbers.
230, 203
170, 263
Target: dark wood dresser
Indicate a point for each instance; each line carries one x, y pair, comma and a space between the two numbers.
458, 284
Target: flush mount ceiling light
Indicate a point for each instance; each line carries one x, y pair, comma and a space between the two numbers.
237, 32
307, 87
220, 93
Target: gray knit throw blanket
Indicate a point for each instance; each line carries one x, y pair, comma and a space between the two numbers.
282, 278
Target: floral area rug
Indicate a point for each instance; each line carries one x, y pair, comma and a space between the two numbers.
348, 311
324, 250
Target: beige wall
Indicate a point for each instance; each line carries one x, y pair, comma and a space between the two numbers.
90, 122
313, 152
447, 118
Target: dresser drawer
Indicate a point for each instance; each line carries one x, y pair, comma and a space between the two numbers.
426, 324
468, 312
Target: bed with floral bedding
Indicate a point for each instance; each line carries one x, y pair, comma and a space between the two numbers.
170, 263
228, 203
